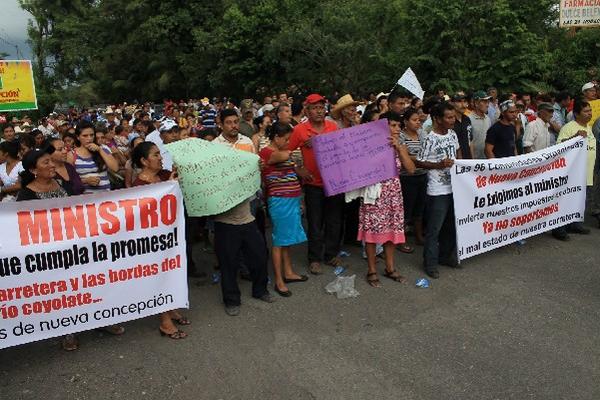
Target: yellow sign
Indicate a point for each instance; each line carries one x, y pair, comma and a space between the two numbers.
595, 104
17, 91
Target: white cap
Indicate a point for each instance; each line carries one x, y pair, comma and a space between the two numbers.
167, 125
587, 86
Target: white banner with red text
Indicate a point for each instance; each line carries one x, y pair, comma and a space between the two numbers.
78, 263
501, 201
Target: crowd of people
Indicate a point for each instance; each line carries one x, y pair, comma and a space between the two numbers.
86, 151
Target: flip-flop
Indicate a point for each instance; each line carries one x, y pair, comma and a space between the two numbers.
181, 321
406, 249
175, 335
395, 276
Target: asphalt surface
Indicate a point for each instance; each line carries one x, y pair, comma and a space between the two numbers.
522, 322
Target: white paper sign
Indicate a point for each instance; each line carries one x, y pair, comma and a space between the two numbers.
410, 82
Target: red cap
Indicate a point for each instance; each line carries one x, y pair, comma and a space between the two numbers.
314, 99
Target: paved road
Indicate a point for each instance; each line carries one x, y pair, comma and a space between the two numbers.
519, 323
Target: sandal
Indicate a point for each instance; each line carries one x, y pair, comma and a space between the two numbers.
406, 249
115, 330
395, 276
181, 321
373, 282
335, 262
315, 268
175, 335
69, 342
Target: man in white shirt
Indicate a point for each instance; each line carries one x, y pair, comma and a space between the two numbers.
437, 155
537, 133
230, 123
167, 133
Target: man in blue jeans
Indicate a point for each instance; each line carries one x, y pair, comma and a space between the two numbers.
437, 155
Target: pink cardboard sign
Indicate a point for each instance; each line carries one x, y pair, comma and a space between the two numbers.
355, 157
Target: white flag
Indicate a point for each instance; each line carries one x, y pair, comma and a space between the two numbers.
410, 82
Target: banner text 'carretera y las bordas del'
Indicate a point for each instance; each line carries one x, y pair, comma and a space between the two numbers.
77, 263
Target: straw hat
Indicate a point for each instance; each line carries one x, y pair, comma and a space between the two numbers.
343, 102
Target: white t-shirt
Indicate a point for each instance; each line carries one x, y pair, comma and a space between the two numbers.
435, 149
10, 179
167, 159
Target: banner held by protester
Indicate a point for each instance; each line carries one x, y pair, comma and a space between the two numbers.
500, 201
85, 262
17, 90
355, 157
214, 178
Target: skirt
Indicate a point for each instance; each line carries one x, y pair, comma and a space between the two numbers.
287, 221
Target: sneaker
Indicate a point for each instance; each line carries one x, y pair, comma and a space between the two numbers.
563, 237
232, 311
267, 298
69, 342
432, 273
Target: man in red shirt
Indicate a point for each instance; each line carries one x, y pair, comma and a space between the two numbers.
324, 214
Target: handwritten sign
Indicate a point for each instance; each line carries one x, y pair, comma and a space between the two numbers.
355, 157
214, 178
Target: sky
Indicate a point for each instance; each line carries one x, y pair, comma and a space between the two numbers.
13, 29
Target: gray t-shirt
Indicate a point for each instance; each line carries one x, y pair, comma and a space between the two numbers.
480, 126
238, 215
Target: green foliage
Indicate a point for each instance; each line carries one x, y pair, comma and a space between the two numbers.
110, 50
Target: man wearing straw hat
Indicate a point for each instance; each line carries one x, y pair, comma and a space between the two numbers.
344, 112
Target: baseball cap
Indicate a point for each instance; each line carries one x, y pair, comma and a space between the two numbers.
167, 125
506, 105
314, 99
587, 86
32, 156
481, 95
545, 106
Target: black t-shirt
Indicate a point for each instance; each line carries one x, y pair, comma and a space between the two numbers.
502, 137
464, 132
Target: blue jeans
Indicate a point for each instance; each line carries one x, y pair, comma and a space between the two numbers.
440, 231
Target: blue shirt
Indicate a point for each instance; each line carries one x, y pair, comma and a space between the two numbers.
209, 118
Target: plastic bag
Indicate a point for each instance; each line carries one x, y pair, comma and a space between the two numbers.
343, 287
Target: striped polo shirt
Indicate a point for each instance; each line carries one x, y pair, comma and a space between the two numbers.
86, 166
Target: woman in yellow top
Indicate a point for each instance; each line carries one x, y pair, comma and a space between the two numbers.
579, 127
